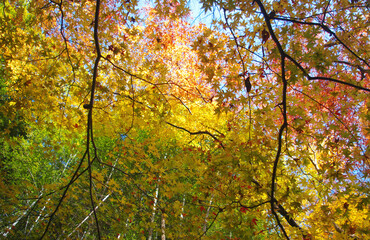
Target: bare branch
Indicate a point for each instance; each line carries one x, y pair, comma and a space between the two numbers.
197, 133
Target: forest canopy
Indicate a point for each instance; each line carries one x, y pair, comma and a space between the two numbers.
143, 120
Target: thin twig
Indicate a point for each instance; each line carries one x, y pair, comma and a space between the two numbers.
197, 133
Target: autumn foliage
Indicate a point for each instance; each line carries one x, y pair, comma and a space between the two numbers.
130, 120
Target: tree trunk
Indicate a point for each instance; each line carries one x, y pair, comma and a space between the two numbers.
155, 200
163, 227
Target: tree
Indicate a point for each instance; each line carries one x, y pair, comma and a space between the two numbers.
132, 123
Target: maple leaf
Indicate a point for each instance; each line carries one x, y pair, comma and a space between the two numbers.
254, 221
165, 134
243, 209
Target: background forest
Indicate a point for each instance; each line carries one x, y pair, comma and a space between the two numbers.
141, 120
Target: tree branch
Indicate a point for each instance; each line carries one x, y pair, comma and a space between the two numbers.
198, 133
284, 112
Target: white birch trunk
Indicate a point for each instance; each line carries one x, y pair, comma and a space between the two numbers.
163, 227
155, 201
88, 216
207, 214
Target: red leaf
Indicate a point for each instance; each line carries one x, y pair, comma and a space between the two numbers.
243, 209
202, 208
254, 221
